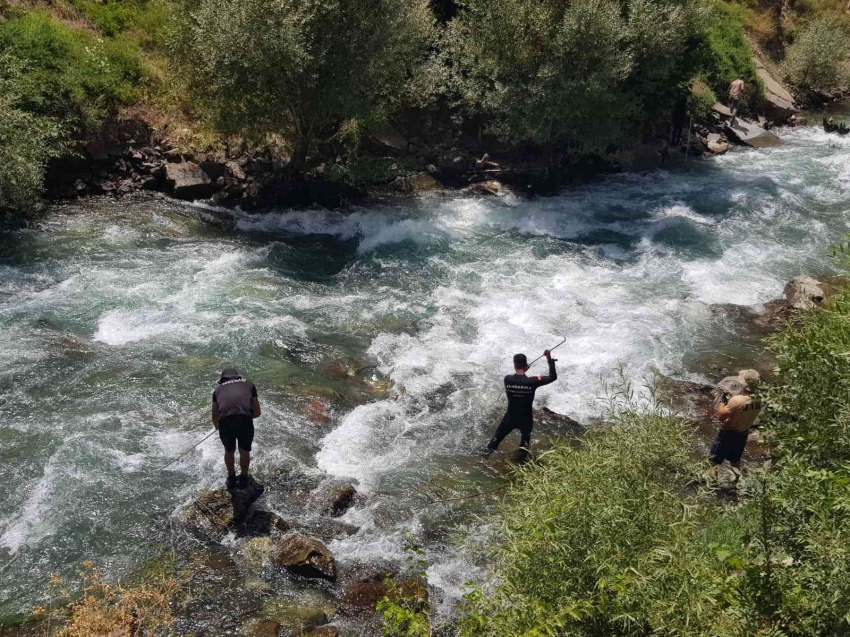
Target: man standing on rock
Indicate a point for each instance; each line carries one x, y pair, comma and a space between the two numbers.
235, 404
736, 92
737, 412
520, 389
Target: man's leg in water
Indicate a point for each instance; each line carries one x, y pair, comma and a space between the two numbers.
505, 427
525, 442
229, 462
244, 461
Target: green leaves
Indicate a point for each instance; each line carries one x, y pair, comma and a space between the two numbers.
819, 59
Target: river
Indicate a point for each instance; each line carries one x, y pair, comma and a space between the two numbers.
116, 317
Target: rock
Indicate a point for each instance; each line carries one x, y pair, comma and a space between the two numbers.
804, 293
324, 631
79, 185
293, 617
751, 134
217, 512
305, 556
419, 183
385, 137
235, 170
135, 155
491, 187
188, 181
262, 523
317, 411
333, 497
174, 156
716, 144
261, 628
778, 102
327, 529
365, 593
215, 169
695, 400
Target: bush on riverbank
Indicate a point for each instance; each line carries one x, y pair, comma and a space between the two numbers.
27, 142
615, 537
819, 59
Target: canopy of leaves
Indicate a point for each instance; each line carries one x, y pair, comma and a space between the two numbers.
583, 71
27, 142
819, 59
302, 67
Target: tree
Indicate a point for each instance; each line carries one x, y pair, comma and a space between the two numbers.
819, 60
27, 143
581, 71
302, 68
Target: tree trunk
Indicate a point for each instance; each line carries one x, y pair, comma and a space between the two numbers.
299, 155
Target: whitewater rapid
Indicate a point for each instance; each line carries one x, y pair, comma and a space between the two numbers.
116, 316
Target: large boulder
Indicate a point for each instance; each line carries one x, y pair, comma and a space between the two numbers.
778, 102
305, 556
751, 134
716, 144
804, 293
188, 181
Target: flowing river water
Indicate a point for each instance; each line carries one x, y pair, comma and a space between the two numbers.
115, 318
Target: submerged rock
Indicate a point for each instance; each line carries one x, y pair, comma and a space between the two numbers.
221, 511
333, 497
417, 184
324, 631
305, 556
294, 617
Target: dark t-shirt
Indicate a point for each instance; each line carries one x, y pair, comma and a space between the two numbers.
234, 397
520, 390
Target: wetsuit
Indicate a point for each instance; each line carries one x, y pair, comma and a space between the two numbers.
520, 390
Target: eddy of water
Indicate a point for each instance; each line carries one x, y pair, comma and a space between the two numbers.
116, 317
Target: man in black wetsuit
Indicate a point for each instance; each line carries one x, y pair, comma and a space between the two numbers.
235, 404
520, 389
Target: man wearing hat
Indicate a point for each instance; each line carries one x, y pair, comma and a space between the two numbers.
520, 389
235, 404
737, 411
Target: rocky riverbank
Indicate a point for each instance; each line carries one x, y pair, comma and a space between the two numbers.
439, 152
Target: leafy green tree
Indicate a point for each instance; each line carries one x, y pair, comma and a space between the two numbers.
302, 68
27, 143
582, 71
819, 59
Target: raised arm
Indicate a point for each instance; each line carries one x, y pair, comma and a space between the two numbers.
553, 374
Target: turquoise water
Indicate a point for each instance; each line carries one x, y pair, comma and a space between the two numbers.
115, 318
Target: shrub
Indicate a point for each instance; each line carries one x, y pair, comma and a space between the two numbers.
530, 65
810, 403
602, 540
27, 142
70, 74
701, 99
819, 59
725, 55
302, 68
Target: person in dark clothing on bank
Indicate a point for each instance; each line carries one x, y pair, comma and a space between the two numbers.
235, 404
520, 389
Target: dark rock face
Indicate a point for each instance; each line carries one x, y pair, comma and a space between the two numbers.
188, 181
305, 556
324, 631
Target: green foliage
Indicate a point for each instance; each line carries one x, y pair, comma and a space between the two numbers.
819, 59
596, 541
70, 74
302, 68
725, 55
27, 142
701, 99
405, 609
613, 539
